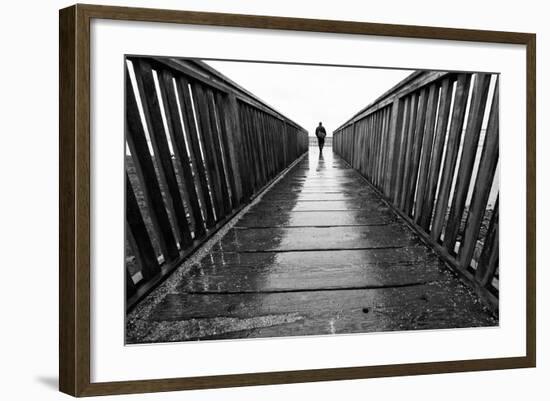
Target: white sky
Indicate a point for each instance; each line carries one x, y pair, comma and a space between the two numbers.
309, 94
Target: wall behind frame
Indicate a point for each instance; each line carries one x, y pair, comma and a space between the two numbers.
28, 168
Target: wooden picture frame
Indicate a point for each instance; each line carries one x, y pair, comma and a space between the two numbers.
74, 203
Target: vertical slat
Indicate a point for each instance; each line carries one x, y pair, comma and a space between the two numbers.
387, 149
258, 146
372, 146
266, 122
355, 149
233, 143
482, 188
401, 152
263, 145
394, 143
172, 111
451, 154
437, 153
138, 236
382, 152
285, 130
279, 139
195, 148
488, 261
377, 148
249, 133
469, 150
249, 177
427, 142
130, 286
403, 191
416, 150
152, 112
219, 150
210, 152
137, 141
359, 127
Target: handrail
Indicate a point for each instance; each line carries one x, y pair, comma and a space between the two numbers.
429, 146
202, 71
199, 148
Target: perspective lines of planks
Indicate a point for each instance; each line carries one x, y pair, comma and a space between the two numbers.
320, 253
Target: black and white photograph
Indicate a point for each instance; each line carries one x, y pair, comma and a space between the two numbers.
270, 199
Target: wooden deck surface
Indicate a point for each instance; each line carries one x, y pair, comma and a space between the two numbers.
320, 253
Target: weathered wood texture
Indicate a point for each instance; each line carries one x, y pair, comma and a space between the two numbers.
430, 147
286, 269
199, 148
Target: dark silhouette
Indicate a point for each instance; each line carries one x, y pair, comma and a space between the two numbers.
320, 133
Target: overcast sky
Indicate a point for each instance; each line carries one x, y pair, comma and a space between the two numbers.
309, 94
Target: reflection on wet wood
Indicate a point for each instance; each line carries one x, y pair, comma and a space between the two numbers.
313, 271
317, 219
316, 238
371, 205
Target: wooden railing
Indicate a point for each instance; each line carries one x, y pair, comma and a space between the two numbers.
430, 146
199, 148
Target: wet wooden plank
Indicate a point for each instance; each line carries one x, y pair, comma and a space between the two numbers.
315, 238
319, 179
438, 305
350, 204
318, 188
305, 172
295, 271
318, 191
445, 295
321, 259
316, 196
317, 218
378, 319
305, 183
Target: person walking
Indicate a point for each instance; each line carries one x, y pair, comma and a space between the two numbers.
320, 133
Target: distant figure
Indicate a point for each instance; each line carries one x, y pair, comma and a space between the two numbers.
320, 133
